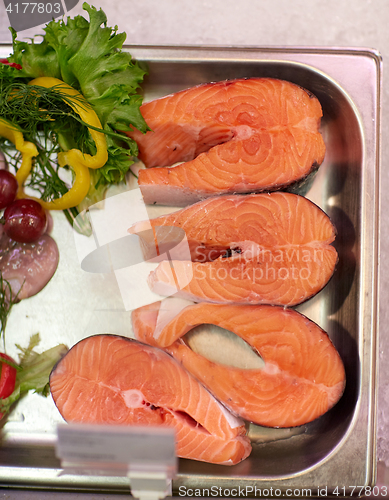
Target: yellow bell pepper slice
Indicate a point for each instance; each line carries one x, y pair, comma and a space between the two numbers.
74, 158
80, 186
28, 150
88, 115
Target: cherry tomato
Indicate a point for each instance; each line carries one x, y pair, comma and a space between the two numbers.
8, 188
7, 377
24, 220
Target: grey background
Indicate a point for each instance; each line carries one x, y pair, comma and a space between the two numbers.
339, 23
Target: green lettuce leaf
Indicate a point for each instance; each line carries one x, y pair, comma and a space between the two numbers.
33, 372
36, 59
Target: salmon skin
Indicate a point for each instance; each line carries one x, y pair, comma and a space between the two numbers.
268, 248
303, 376
237, 136
107, 379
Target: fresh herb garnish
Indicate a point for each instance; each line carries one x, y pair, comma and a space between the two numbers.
89, 57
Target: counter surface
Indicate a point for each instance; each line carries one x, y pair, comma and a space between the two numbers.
263, 24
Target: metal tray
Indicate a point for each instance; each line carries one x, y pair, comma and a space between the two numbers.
338, 449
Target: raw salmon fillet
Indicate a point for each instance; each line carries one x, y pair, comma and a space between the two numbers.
272, 248
107, 379
303, 376
236, 136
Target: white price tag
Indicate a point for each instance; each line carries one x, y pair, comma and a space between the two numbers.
146, 455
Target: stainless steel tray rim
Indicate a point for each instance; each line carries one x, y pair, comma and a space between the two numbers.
291, 49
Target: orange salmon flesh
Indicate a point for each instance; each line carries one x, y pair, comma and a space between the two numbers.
237, 136
107, 379
303, 375
268, 248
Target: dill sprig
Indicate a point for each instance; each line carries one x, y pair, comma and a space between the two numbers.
46, 117
31, 106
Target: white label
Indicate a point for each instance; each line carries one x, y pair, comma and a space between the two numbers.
96, 448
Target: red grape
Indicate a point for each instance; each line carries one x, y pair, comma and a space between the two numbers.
24, 220
8, 188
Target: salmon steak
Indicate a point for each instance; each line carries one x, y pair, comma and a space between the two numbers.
108, 379
267, 248
236, 136
303, 375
